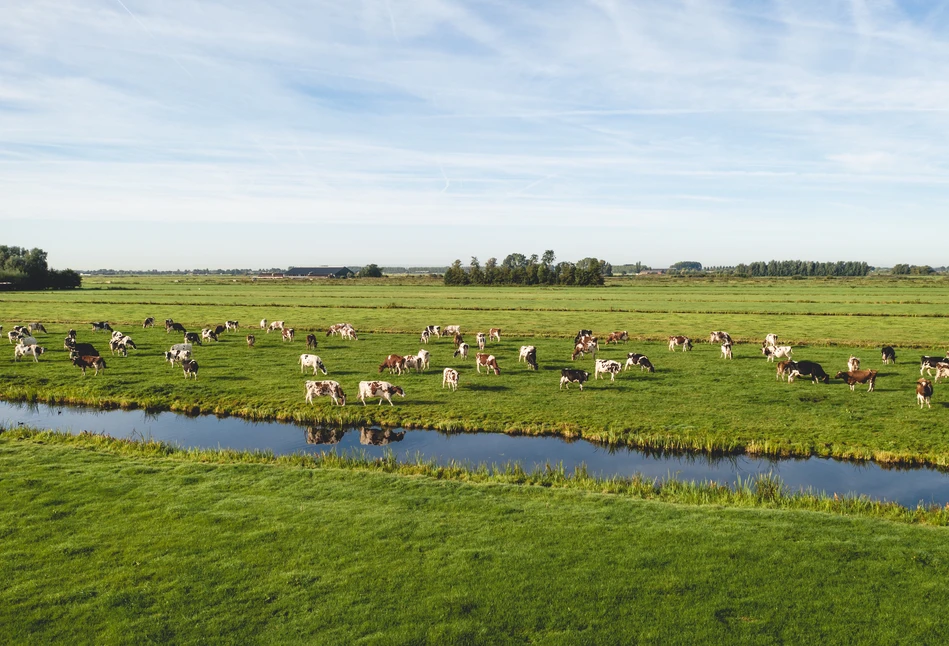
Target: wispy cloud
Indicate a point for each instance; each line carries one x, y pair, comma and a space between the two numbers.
651, 117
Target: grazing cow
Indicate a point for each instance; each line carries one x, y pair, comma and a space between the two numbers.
606, 366
324, 435
86, 361
924, 392
118, 345
451, 329
208, 334
276, 325
311, 342
776, 352
942, 370
251, 340
450, 378
808, 369
329, 389
412, 362
458, 339
854, 377
263, 324
433, 330
783, 369
488, 361
495, 333
531, 358
925, 363
381, 389
853, 363
462, 350
616, 337
177, 356
311, 361
770, 339
581, 334
482, 340
424, 356
193, 337
676, 341
149, 322
83, 349
394, 362
190, 368
586, 345
569, 376
219, 330
101, 326
727, 350
425, 336
14, 336
348, 332
889, 354
175, 327
633, 359
36, 327
23, 350
287, 334
232, 326
719, 337
334, 329
525, 349
72, 333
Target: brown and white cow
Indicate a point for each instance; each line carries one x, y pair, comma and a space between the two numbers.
412, 362
251, 340
924, 392
586, 345
783, 369
488, 361
329, 389
461, 350
275, 325
85, 361
676, 341
395, 363
606, 366
450, 378
616, 337
773, 352
348, 333
495, 334
458, 339
853, 363
942, 370
287, 334
381, 389
854, 377
719, 337
451, 329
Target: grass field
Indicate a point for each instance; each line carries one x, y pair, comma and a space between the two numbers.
693, 401
108, 545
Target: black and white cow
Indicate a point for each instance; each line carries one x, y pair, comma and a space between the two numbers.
606, 366
190, 369
311, 361
569, 376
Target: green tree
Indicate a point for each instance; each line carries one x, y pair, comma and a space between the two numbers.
370, 271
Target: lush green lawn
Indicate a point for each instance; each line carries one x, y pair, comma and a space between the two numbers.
105, 548
694, 400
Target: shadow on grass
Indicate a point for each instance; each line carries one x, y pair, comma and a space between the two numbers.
486, 387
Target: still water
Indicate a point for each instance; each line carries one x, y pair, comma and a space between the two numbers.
905, 486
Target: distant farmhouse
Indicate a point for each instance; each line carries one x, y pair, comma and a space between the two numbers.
318, 272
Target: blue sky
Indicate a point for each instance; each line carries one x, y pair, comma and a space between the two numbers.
194, 133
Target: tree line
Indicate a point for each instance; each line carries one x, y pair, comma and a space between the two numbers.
27, 269
519, 269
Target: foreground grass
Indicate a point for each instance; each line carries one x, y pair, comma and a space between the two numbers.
115, 543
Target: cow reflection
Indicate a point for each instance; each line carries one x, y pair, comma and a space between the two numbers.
379, 437
324, 435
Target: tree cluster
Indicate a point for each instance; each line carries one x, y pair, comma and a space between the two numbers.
518, 269
27, 269
803, 268
914, 270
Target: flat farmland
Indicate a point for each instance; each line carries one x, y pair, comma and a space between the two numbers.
694, 400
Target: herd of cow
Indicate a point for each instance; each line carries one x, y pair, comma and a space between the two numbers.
85, 356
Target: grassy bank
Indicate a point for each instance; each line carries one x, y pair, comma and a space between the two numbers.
116, 542
694, 401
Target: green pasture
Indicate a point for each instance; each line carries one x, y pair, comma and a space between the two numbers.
125, 546
694, 400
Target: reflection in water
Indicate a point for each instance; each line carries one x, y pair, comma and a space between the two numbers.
324, 435
379, 437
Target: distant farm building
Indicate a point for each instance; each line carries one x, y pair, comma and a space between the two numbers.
318, 272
